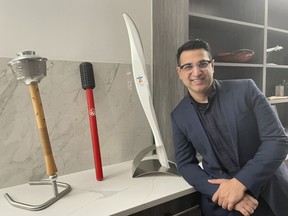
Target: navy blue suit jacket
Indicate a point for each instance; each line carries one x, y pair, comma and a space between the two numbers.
258, 139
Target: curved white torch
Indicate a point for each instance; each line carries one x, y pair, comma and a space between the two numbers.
142, 87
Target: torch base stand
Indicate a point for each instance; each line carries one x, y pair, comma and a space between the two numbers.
52, 181
150, 166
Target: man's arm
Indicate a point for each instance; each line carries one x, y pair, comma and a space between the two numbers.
274, 144
270, 154
187, 163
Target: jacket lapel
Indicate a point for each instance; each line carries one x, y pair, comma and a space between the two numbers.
197, 125
227, 104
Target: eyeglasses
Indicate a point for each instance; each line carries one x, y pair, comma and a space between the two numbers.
187, 68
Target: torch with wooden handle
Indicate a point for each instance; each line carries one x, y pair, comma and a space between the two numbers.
30, 69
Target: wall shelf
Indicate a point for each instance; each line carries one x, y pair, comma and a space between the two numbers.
276, 66
277, 30
278, 101
225, 20
224, 64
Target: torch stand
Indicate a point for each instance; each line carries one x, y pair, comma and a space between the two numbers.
52, 181
142, 167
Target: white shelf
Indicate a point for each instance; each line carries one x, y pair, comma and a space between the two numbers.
276, 66
277, 30
277, 101
224, 64
225, 20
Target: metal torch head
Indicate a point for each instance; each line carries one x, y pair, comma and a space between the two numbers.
28, 67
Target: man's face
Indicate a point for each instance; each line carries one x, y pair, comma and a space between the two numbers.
197, 71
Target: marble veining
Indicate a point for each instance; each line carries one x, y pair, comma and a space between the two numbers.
122, 125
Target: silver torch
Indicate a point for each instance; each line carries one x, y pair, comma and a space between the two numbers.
31, 69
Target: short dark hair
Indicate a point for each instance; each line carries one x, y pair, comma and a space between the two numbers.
192, 45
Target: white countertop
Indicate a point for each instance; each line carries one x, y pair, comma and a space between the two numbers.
118, 194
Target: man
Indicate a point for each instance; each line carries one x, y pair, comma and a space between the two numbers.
240, 138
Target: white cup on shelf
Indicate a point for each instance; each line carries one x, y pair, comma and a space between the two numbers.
279, 90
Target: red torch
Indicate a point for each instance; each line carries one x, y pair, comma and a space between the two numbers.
88, 84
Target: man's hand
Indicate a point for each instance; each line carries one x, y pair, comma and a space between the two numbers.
247, 205
230, 192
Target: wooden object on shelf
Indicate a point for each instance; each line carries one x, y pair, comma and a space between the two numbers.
238, 56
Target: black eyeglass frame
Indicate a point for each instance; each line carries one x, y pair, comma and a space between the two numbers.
193, 65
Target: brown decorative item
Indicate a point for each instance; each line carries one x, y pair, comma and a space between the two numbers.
238, 56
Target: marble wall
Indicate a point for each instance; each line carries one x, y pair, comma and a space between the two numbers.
122, 125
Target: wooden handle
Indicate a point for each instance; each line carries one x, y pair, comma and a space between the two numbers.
51, 168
